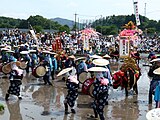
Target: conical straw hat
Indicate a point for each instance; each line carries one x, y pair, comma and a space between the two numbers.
64, 71
97, 69
101, 62
157, 71
106, 56
95, 56
155, 60
153, 114
24, 52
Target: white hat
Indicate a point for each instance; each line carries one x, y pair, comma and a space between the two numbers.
97, 69
155, 60
153, 114
10, 51
157, 71
72, 56
24, 52
95, 56
81, 58
106, 56
4, 49
101, 62
46, 51
31, 51
64, 71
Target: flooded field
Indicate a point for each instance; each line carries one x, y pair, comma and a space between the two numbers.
43, 102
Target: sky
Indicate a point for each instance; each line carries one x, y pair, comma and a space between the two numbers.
85, 9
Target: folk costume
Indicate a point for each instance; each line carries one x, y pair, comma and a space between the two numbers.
72, 85
47, 63
100, 93
15, 77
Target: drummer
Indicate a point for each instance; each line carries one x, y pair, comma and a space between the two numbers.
47, 63
25, 57
34, 59
81, 67
15, 77
100, 93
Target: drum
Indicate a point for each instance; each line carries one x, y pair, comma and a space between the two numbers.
87, 86
39, 71
6, 69
23, 65
83, 76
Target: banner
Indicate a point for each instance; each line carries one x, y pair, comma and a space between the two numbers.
136, 13
124, 47
33, 34
86, 44
58, 44
54, 46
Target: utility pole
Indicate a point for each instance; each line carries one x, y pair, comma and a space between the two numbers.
145, 9
75, 23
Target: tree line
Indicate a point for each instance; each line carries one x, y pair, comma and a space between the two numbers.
109, 25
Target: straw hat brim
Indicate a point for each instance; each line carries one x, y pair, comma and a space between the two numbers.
24, 52
95, 56
155, 60
64, 71
32, 51
106, 56
72, 57
157, 71
97, 69
81, 58
46, 52
101, 62
153, 114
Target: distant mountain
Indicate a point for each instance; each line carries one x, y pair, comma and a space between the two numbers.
63, 21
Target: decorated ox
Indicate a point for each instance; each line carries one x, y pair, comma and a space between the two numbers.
126, 79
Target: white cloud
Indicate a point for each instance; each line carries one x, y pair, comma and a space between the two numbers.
72, 5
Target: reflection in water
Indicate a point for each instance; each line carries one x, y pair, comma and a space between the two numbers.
14, 110
42, 97
4, 85
125, 109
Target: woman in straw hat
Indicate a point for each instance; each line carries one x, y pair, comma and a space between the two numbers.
155, 77
100, 93
72, 85
15, 77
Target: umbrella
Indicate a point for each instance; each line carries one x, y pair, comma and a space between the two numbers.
64, 71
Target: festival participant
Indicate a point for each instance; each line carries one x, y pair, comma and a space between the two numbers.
34, 59
16, 53
155, 77
15, 77
81, 67
47, 63
72, 85
25, 57
54, 63
4, 53
100, 93
151, 55
135, 54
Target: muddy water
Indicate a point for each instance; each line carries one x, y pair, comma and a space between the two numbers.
43, 102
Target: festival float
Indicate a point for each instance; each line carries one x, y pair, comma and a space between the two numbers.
129, 72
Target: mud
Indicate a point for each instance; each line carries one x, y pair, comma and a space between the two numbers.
43, 102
